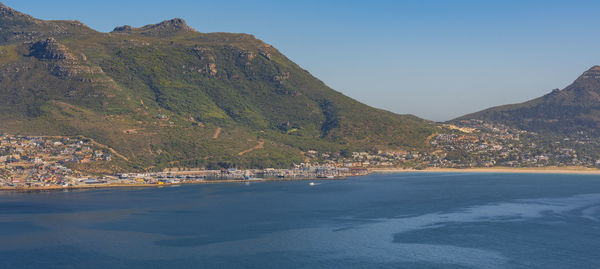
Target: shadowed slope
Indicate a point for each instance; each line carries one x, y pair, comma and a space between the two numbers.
573, 109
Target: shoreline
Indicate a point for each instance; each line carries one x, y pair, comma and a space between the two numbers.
502, 170
115, 186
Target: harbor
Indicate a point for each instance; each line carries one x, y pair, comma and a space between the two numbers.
169, 178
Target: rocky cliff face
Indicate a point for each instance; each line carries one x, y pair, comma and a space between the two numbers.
11, 14
584, 91
50, 49
61, 61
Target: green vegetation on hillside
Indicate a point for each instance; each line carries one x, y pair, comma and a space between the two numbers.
165, 95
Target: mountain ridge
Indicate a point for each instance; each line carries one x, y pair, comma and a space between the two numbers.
167, 27
158, 93
576, 108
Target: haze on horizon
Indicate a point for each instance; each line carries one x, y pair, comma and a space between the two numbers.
435, 59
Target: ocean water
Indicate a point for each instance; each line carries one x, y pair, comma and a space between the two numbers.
435, 220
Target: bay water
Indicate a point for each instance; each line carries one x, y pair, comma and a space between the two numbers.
404, 220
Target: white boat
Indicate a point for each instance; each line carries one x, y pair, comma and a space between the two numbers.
311, 184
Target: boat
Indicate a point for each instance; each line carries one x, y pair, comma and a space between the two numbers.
311, 184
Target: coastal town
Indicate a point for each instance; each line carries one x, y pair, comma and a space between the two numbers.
477, 144
43, 162
50, 162
482, 144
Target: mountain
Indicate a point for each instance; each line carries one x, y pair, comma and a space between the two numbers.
166, 95
574, 109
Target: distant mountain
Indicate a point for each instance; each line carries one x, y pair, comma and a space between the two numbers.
576, 108
166, 95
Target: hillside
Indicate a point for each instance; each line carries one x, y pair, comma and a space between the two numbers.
166, 95
575, 109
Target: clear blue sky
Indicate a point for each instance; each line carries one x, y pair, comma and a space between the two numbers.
434, 59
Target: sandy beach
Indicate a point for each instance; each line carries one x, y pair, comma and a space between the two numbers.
533, 170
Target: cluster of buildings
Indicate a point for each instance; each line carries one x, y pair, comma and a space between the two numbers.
482, 144
477, 144
176, 176
359, 159
43, 162
31, 161
365, 160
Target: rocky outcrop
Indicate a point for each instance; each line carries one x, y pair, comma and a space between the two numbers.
585, 90
265, 54
592, 74
281, 77
177, 23
165, 28
212, 69
122, 29
207, 61
16, 27
64, 64
71, 71
247, 57
50, 49
8, 13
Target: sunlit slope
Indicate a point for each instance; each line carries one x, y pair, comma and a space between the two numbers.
165, 95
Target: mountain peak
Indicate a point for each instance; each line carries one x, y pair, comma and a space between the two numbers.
591, 74
572, 109
4, 8
167, 27
7, 12
176, 22
123, 29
